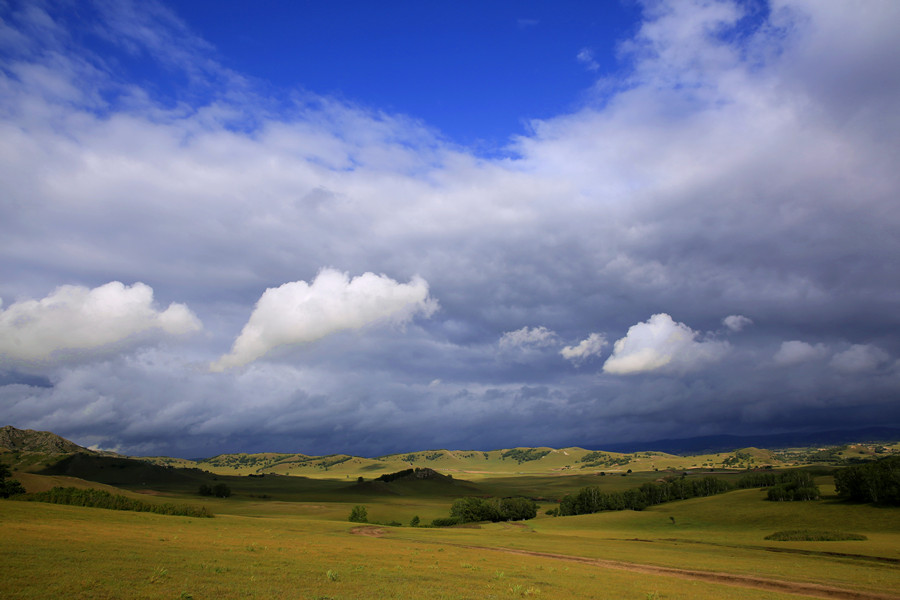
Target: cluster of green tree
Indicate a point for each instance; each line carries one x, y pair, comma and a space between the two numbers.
9, 487
103, 499
877, 482
738, 458
602, 459
526, 455
389, 477
332, 460
426, 456
783, 486
758, 479
800, 487
245, 460
473, 510
591, 500
220, 490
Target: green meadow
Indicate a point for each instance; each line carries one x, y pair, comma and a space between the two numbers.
280, 536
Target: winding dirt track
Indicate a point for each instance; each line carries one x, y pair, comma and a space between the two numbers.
760, 583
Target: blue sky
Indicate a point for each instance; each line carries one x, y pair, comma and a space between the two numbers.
477, 72
344, 227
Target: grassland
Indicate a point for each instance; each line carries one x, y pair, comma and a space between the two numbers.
288, 537
473, 465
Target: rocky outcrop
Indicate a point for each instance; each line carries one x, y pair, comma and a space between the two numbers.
28, 440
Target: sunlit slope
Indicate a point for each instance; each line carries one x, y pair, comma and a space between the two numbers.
473, 464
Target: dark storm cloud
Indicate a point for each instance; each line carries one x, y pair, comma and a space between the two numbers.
706, 248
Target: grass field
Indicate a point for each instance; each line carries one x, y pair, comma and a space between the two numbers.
288, 537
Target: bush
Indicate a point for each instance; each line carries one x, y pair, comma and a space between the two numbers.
445, 522
359, 514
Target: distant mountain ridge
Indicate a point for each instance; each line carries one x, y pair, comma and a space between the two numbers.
725, 443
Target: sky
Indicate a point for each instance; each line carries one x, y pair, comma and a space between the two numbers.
370, 228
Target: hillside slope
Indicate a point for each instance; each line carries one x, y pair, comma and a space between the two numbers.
29, 440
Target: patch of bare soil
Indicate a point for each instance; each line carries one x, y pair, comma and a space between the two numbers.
368, 531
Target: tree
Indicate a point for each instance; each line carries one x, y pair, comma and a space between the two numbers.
205, 490
9, 487
414, 522
877, 482
359, 514
220, 490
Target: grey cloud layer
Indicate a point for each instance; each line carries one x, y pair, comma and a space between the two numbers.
726, 210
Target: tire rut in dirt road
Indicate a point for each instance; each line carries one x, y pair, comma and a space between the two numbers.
761, 583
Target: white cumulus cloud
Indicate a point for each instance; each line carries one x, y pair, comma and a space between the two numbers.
736, 322
300, 312
592, 346
534, 337
662, 344
859, 358
76, 319
795, 352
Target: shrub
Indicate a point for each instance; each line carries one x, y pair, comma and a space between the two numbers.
445, 522
814, 535
359, 514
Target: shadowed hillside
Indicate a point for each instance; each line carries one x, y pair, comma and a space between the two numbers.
121, 471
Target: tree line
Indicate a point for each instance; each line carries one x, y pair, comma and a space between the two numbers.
103, 499
784, 486
591, 500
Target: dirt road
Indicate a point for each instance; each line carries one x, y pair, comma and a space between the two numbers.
760, 583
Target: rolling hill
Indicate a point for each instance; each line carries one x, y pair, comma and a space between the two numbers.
33, 450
